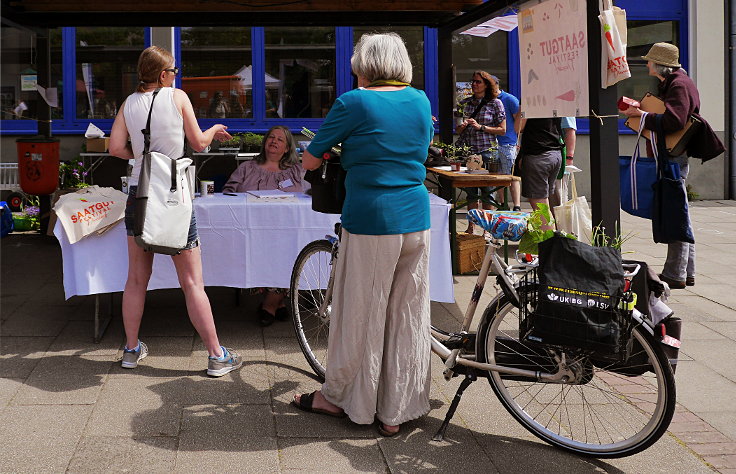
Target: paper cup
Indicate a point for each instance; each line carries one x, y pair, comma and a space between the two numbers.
124, 184
206, 188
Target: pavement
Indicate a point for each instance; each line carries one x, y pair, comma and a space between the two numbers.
67, 406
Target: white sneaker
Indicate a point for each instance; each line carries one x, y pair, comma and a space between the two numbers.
131, 358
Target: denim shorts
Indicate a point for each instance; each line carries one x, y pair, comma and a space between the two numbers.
507, 156
192, 238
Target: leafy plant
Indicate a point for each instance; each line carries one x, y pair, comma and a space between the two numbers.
251, 141
691, 194
234, 142
535, 234
599, 238
454, 152
73, 174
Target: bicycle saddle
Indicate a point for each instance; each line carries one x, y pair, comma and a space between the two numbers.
508, 225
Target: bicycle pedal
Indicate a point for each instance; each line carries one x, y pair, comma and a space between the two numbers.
465, 342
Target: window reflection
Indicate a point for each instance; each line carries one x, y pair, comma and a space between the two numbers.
217, 71
300, 72
473, 53
106, 69
19, 99
413, 37
641, 36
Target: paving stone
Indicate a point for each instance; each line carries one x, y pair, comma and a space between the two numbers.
8, 388
336, 455
20, 355
69, 380
118, 454
41, 438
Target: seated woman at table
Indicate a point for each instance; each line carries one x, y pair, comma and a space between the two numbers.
173, 120
275, 167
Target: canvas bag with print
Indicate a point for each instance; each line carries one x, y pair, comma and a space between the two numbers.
91, 209
163, 201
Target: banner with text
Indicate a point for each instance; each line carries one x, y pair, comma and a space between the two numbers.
553, 43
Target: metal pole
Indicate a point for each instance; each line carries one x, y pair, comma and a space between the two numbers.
605, 197
445, 85
730, 129
43, 78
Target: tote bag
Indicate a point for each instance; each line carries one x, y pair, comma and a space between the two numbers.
89, 210
163, 201
574, 215
637, 175
614, 67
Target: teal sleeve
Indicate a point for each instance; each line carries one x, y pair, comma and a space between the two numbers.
335, 129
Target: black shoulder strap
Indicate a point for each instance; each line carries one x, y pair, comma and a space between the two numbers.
147, 131
482, 104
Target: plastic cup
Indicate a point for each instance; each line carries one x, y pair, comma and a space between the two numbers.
124, 184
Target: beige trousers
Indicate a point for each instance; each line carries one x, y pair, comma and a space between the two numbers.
379, 348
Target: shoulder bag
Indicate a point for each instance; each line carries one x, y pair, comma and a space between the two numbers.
163, 201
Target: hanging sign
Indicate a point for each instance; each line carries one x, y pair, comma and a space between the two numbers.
553, 44
28, 82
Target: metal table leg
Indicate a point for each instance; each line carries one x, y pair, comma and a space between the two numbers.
101, 326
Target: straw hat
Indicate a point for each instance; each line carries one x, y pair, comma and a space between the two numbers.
665, 54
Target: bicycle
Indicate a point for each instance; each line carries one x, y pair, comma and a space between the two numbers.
561, 395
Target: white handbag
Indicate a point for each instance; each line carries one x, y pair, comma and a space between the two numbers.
163, 201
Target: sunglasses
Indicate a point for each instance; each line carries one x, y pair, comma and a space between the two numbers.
477, 81
175, 70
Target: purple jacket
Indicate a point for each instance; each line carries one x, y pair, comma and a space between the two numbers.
681, 99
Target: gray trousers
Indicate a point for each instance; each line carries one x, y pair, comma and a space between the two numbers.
379, 349
680, 262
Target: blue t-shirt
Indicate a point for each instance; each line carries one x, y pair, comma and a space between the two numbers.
511, 105
569, 122
385, 136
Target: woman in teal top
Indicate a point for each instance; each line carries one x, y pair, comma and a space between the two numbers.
379, 347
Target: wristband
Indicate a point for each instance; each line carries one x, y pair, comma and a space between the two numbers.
568, 157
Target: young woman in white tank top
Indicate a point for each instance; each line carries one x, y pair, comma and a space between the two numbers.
172, 118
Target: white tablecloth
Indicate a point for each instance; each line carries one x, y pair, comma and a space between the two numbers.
244, 245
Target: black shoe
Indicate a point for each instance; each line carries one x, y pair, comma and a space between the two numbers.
283, 314
690, 281
517, 209
264, 317
674, 284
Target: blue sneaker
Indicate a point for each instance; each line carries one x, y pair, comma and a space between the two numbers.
131, 357
218, 367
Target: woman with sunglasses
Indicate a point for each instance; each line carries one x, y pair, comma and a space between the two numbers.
485, 120
171, 120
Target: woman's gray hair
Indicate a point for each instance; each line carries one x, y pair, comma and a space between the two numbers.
381, 56
663, 71
290, 157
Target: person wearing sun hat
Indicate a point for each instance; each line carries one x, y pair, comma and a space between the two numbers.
681, 99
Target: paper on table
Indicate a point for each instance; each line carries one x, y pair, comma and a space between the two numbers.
93, 132
271, 195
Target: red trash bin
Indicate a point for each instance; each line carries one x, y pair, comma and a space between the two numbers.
38, 164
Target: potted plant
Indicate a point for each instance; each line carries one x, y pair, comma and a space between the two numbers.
455, 154
250, 142
73, 174
27, 218
232, 145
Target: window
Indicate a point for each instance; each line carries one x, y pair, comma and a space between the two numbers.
300, 72
413, 37
18, 97
217, 71
106, 69
642, 34
473, 53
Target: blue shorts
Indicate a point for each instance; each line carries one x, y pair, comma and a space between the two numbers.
192, 238
507, 156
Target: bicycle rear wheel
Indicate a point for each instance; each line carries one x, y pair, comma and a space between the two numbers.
605, 414
309, 282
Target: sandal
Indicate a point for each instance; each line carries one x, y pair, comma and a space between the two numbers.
388, 434
283, 314
264, 317
305, 404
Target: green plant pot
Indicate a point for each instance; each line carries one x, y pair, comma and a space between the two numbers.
23, 223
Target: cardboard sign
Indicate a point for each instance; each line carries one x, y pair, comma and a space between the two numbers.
553, 42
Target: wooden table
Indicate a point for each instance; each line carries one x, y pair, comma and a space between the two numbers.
448, 181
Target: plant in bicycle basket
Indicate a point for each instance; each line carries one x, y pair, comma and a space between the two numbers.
534, 234
73, 174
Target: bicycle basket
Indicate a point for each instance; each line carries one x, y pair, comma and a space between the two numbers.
578, 299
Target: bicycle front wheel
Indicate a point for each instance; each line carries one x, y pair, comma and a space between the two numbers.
309, 282
604, 413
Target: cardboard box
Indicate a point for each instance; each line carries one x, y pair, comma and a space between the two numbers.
98, 145
470, 252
